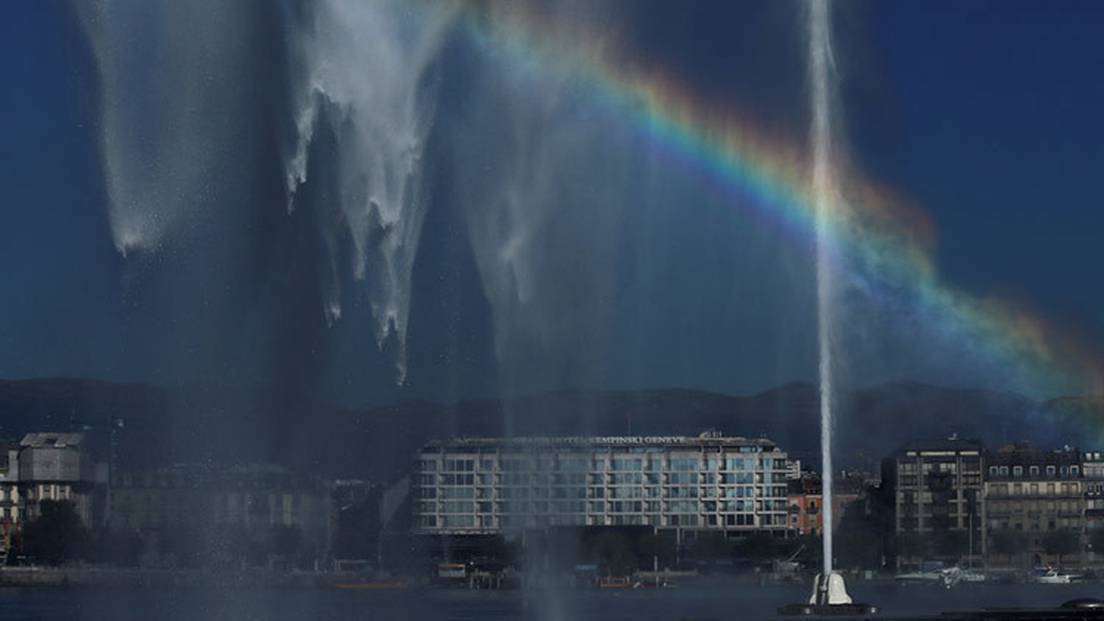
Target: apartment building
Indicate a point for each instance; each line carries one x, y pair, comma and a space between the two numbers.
1033, 494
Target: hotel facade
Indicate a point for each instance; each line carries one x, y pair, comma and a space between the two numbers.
500, 485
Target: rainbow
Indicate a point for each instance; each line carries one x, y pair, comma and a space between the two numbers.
889, 237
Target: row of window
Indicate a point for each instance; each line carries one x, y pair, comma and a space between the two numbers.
1034, 525
468, 492
1033, 489
635, 478
514, 521
616, 464
617, 506
1034, 471
1065, 506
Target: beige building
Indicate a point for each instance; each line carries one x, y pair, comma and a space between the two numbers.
1033, 498
1092, 471
196, 496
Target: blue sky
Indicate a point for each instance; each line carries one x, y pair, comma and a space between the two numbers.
986, 114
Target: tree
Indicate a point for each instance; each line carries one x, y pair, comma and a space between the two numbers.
759, 547
57, 535
660, 547
615, 550
952, 543
1096, 540
858, 542
118, 547
1008, 542
910, 545
1061, 542
286, 540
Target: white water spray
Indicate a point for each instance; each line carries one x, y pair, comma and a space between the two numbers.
169, 113
824, 194
176, 133
366, 63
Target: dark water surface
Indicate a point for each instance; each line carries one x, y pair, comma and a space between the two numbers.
738, 601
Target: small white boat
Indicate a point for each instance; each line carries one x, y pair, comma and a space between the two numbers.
970, 575
930, 571
920, 576
1047, 575
946, 576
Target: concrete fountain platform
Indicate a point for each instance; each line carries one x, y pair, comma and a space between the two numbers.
1087, 609
829, 599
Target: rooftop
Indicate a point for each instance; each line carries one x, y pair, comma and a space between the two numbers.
942, 445
51, 440
708, 439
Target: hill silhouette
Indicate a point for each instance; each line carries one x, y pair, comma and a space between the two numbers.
232, 425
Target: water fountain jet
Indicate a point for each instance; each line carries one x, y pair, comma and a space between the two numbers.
829, 596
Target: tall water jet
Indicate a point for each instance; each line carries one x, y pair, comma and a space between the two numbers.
829, 595
824, 192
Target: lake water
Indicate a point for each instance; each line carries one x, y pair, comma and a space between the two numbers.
721, 603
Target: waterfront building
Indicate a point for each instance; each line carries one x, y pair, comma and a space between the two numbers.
1033, 498
938, 497
1092, 471
197, 497
804, 501
685, 484
57, 467
9, 497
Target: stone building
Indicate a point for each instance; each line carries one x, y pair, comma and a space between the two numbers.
10, 504
60, 467
1092, 471
199, 498
1034, 508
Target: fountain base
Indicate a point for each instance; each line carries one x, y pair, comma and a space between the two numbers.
829, 598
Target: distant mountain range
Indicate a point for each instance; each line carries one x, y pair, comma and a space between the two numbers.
203, 423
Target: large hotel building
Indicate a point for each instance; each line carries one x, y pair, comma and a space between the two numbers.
486, 486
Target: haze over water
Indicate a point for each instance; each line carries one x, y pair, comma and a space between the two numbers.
740, 601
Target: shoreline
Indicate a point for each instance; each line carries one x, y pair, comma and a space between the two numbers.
116, 577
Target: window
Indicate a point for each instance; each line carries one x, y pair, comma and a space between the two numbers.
1017, 471
1004, 471
459, 521
684, 464
1051, 471
1033, 471
626, 464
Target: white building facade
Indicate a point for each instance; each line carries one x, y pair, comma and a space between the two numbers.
495, 485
